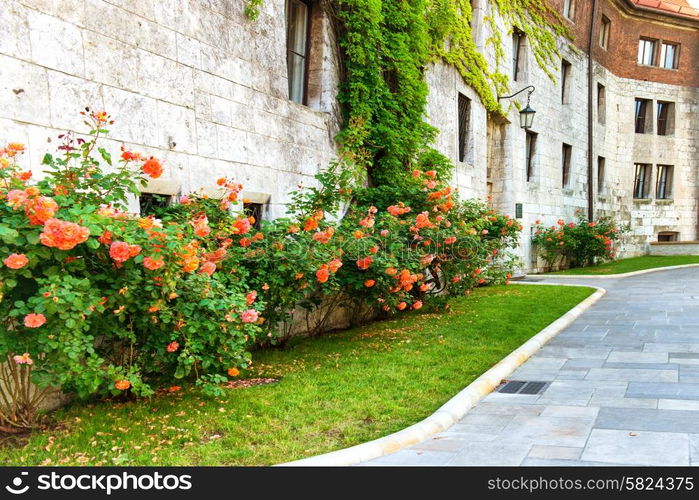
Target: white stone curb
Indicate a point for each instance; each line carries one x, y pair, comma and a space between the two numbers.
607, 276
454, 409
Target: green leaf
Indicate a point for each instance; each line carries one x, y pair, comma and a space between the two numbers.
106, 156
92, 244
33, 238
47, 160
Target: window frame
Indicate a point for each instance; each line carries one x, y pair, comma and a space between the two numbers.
569, 9
158, 200
641, 113
307, 49
663, 55
604, 32
601, 165
640, 58
566, 162
530, 153
463, 125
665, 118
518, 45
601, 103
566, 73
646, 169
255, 210
664, 182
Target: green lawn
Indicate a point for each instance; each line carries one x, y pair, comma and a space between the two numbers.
634, 264
335, 391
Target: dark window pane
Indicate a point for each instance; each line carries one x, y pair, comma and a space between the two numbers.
464, 123
641, 110
566, 154
254, 210
530, 152
152, 204
663, 188
642, 181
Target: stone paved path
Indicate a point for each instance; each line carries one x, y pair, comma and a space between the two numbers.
624, 388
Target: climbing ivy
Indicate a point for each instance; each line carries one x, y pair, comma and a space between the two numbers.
252, 9
385, 48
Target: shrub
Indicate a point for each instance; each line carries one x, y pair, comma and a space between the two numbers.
99, 301
577, 244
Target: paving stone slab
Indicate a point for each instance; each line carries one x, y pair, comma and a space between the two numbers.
492, 454
554, 431
555, 452
643, 419
637, 357
634, 374
663, 390
678, 404
636, 447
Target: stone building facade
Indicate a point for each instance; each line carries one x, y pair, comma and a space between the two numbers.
213, 94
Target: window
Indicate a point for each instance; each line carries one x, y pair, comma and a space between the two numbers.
569, 9
566, 153
297, 49
254, 210
666, 118
669, 55
152, 204
647, 51
517, 54
565, 81
604, 33
464, 125
530, 152
642, 114
663, 184
601, 103
600, 174
641, 185
668, 236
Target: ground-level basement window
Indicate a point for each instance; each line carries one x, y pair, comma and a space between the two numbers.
152, 204
668, 236
254, 210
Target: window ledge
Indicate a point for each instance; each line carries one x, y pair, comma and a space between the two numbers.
643, 201
568, 191
664, 201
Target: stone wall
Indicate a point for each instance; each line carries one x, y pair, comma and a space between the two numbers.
194, 83
198, 84
674, 248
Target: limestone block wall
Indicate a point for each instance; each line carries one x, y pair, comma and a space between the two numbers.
618, 143
192, 82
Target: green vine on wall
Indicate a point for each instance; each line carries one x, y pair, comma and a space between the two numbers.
385, 48
252, 9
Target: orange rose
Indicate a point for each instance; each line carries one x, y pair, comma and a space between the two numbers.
16, 261
153, 168
122, 385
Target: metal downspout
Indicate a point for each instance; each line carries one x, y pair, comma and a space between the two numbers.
590, 115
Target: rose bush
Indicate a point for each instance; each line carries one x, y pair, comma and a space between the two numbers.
99, 301
577, 244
